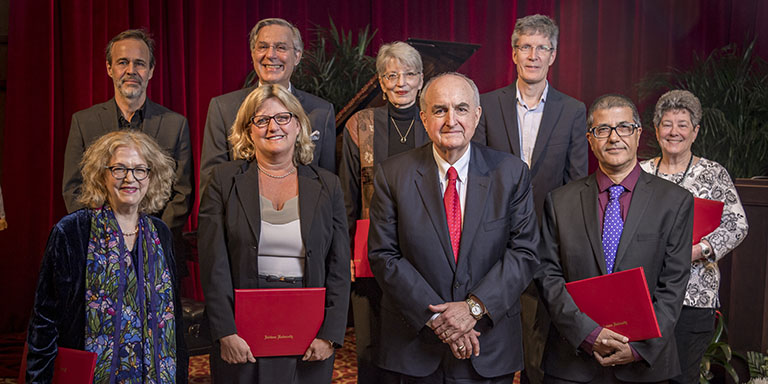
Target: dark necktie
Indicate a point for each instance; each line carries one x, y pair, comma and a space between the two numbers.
453, 211
613, 225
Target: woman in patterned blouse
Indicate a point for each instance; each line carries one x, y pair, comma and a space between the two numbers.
676, 119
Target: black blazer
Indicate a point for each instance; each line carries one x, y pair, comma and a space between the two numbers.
222, 113
229, 230
168, 128
410, 254
58, 315
560, 152
657, 236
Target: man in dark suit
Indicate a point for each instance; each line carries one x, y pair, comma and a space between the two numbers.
276, 49
452, 244
130, 64
616, 219
545, 128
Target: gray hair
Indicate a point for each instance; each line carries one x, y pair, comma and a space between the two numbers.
533, 24
678, 99
423, 101
400, 51
612, 101
137, 34
297, 43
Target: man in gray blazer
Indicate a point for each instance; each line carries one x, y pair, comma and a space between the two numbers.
276, 49
130, 64
616, 219
544, 127
452, 244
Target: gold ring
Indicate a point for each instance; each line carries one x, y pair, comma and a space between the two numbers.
460, 348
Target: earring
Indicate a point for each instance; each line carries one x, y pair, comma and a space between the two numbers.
384, 96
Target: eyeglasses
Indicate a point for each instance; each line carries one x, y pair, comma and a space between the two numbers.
119, 172
540, 49
279, 47
281, 118
623, 130
394, 76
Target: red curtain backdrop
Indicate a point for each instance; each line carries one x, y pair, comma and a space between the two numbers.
56, 66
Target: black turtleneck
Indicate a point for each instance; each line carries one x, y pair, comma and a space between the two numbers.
404, 117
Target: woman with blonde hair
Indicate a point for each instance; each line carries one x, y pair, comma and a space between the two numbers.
107, 281
269, 219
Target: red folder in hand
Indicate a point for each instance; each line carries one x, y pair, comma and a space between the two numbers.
706, 217
360, 251
619, 301
71, 366
279, 322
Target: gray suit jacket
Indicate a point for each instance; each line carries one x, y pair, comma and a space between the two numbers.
222, 113
229, 231
410, 254
168, 128
560, 152
657, 236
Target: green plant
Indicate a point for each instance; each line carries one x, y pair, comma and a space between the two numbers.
718, 353
333, 67
758, 365
732, 85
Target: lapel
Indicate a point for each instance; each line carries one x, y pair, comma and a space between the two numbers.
553, 106
108, 116
152, 119
428, 186
419, 132
380, 136
247, 190
641, 198
309, 194
590, 213
478, 187
508, 106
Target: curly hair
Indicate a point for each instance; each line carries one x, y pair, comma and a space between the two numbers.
240, 138
678, 99
162, 173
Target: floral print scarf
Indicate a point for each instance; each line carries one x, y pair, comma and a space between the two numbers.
130, 320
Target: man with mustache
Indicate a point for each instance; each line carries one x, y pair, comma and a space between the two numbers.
276, 49
130, 64
616, 219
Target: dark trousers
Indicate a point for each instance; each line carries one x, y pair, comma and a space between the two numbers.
535, 322
367, 329
602, 376
450, 371
693, 334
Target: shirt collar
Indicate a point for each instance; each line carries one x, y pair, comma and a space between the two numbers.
290, 86
461, 165
138, 115
542, 100
604, 182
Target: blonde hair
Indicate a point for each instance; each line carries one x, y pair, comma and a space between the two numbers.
240, 138
162, 173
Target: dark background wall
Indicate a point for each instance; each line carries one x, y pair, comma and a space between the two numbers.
56, 62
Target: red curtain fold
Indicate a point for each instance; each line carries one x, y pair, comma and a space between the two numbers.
56, 67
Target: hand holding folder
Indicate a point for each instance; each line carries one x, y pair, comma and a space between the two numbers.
619, 301
706, 217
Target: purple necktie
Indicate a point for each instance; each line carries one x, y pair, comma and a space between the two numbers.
612, 226
453, 211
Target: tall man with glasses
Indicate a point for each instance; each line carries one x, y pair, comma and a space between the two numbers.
544, 127
130, 64
276, 49
616, 219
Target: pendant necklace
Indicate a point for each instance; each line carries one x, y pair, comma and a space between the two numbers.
403, 138
688, 168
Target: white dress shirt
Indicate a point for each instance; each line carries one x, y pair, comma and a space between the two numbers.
528, 122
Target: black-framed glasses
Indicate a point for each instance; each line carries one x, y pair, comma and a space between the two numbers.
623, 130
540, 49
394, 76
120, 172
281, 118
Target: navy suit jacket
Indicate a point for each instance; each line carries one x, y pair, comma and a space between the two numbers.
657, 236
411, 257
560, 151
222, 113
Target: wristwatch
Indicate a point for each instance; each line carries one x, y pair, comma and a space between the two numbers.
475, 309
706, 251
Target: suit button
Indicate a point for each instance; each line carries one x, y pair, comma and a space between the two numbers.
457, 285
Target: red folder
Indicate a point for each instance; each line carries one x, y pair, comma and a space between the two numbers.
279, 322
706, 217
71, 366
619, 301
360, 251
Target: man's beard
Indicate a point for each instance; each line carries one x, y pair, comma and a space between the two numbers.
132, 92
